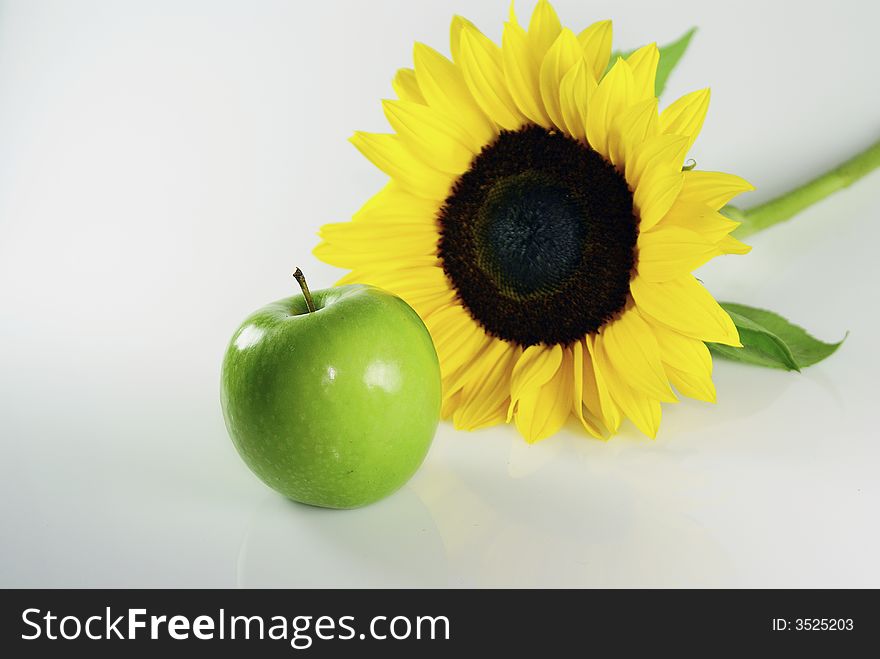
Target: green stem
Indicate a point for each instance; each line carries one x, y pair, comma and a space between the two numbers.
301, 280
789, 204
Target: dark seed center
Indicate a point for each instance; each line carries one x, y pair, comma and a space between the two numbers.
538, 238
529, 235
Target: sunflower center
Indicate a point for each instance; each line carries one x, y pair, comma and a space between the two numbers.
529, 235
538, 238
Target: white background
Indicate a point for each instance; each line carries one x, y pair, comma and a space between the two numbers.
165, 165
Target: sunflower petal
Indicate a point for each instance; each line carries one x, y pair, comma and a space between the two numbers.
543, 410
693, 385
406, 86
596, 42
730, 245
710, 224
456, 336
443, 86
575, 91
660, 152
597, 397
407, 280
671, 252
644, 63
484, 75
429, 134
486, 395
683, 352
714, 189
655, 195
522, 73
685, 306
632, 349
389, 238
544, 27
455, 29
577, 399
687, 362
390, 155
449, 405
630, 130
562, 56
343, 257
611, 98
536, 365
640, 408
686, 115
394, 202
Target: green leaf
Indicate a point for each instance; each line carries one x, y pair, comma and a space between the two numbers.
770, 340
670, 54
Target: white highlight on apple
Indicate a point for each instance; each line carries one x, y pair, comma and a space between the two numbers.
249, 337
383, 375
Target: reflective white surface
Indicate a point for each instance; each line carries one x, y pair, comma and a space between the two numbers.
163, 168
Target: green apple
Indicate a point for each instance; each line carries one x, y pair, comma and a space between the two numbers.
332, 399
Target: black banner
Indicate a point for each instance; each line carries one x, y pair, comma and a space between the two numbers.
270, 623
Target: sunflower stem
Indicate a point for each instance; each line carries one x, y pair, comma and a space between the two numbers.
301, 280
789, 204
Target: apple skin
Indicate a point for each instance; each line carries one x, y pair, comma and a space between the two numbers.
334, 408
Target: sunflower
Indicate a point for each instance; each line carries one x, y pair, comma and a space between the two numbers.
540, 220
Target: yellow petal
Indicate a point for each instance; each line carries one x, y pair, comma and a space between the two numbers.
671, 252
687, 362
685, 306
630, 130
633, 353
714, 189
449, 405
456, 337
710, 224
578, 391
660, 152
597, 397
562, 56
656, 193
644, 63
536, 365
458, 24
416, 285
343, 256
444, 88
390, 155
611, 98
382, 238
575, 91
642, 410
683, 352
685, 116
489, 390
693, 385
394, 202
544, 27
730, 245
420, 281
543, 410
411, 282
521, 72
456, 380
427, 302
596, 42
406, 87
484, 75
427, 133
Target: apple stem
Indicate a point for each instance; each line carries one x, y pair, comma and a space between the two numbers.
301, 279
